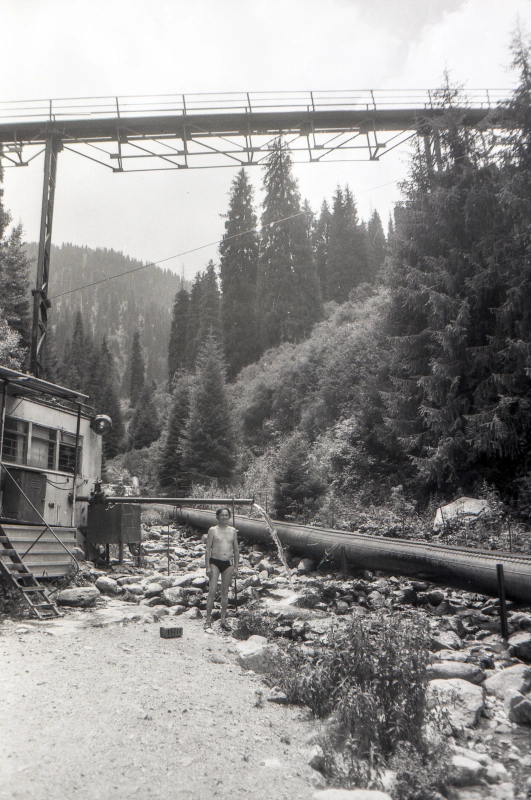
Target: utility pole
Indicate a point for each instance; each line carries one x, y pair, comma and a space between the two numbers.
41, 303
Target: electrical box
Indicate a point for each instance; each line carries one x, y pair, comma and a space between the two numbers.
113, 524
14, 504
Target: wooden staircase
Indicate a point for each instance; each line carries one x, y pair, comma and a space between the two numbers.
17, 575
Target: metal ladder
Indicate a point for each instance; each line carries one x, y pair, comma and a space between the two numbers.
19, 576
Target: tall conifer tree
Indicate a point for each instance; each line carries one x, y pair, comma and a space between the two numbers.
194, 322
137, 370
238, 271
347, 264
178, 335
171, 464
288, 291
208, 449
144, 427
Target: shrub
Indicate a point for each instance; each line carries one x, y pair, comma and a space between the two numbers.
370, 681
253, 620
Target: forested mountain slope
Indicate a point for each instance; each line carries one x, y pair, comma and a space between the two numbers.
140, 300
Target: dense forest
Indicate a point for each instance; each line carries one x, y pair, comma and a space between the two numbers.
321, 359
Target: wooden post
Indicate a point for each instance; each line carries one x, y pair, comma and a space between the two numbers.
503, 607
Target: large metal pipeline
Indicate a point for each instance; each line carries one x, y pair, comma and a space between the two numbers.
461, 567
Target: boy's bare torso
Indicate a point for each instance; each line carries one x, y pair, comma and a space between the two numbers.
223, 542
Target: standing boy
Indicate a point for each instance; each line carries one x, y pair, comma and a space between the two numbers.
221, 547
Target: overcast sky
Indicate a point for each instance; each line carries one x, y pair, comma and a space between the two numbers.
75, 48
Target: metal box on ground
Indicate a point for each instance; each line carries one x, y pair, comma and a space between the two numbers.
113, 524
171, 633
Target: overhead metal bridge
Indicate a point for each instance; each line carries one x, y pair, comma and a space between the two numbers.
198, 131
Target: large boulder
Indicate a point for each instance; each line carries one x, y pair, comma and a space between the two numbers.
461, 701
455, 669
464, 509
80, 597
107, 585
445, 640
256, 654
520, 646
182, 580
174, 596
153, 590
520, 709
465, 771
505, 683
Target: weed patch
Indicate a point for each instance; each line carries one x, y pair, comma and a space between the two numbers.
369, 683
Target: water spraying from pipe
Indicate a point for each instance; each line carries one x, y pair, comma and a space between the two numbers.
274, 535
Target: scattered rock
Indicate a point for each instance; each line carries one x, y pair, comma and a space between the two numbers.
460, 700
176, 595
78, 553
107, 585
520, 709
153, 590
455, 669
508, 681
80, 597
256, 654
445, 640
194, 613
316, 758
465, 771
305, 566
276, 696
520, 646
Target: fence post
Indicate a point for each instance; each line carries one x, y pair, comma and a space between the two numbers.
503, 607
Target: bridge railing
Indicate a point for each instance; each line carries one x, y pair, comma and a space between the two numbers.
69, 108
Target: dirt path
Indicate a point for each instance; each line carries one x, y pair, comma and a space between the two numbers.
118, 712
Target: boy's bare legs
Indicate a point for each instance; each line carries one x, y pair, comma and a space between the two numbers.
226, 578
212, 586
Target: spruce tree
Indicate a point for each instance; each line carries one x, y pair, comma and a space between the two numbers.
238, 272
208, 447
144, 427
74, 370
376, 245
106, 401
194, 317
137, 370
320, 244
347, 264
209, 306
171, 464
297, 483
178, 335
288, 291
444, 280
14, 285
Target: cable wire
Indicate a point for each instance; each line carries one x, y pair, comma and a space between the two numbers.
178, 255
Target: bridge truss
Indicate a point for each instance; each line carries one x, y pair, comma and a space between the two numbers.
172, 132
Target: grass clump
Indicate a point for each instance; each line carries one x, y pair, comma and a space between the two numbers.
254, 620
369, 683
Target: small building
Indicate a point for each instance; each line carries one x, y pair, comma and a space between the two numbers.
51, 454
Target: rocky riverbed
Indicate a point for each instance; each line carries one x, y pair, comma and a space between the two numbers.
482, 683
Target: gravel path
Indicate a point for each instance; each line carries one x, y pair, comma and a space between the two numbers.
117, 712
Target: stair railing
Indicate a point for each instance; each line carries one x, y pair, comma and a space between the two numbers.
43, 521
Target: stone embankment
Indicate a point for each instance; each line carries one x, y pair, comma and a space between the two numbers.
480, 684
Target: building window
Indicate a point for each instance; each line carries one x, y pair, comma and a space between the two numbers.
67, 453
15, 444
42, 447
